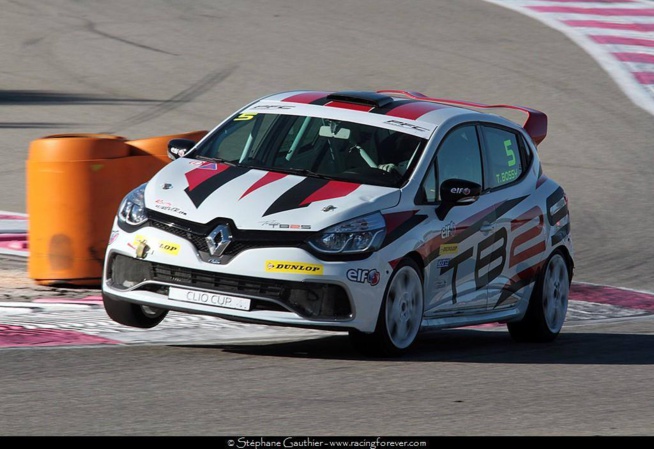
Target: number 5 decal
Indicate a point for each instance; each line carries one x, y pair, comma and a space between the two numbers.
509, 153
245, 116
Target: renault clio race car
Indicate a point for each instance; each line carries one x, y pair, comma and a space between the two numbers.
380, 214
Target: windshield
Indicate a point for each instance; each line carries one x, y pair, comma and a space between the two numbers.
314, 146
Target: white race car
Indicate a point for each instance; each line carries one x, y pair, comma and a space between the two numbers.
376, 213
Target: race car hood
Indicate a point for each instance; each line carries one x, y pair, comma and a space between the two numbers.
201, 191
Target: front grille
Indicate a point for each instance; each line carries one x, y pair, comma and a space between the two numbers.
241, 240
308, 299
213, 281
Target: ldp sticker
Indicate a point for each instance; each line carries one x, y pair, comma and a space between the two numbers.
169, 248
283, 266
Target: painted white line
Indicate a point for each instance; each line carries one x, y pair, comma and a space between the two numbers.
640, 93
177, 328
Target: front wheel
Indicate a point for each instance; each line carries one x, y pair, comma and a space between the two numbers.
400, 316
133, 315
548, 304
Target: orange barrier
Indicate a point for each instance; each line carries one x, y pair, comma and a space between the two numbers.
75, 183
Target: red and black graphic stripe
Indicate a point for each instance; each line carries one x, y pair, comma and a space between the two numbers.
399, 223
408, 109
535, 214
518, 282
559, 215
203, 181
309, 98
308, 191
269, 177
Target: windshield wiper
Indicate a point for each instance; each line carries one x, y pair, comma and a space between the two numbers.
300, 171
216, 159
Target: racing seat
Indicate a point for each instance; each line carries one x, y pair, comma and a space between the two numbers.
395, 152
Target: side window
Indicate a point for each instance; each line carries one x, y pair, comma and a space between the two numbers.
459, 156
504, 156
243, 135
427, 193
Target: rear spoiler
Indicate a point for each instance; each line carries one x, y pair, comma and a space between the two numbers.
535, 125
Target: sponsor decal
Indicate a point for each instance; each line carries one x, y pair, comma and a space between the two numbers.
442, 263
440, 283
272, 106
460, 190
402, 124
204, 165
276, 225
283, 266
169, 248
448, 230
363, 276
113, 236
449, 249
208, 166
142, 247
175, 210
168, 207
167, 186
137, 239
178, 151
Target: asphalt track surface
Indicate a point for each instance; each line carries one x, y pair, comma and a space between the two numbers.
155, 67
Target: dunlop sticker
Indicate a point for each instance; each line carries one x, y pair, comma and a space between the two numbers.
284, 266
449, 249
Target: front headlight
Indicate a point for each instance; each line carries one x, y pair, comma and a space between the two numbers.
132, 208
359, 235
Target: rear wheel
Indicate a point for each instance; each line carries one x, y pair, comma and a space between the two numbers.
133, 315
548, 304
400, 316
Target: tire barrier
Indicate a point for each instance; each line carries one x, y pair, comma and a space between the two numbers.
75, 183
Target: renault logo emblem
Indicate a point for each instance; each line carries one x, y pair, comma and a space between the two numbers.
218, 240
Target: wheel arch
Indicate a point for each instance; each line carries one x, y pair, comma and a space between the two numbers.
417, 258
567, 256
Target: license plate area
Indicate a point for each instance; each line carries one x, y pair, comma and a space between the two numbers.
209, 298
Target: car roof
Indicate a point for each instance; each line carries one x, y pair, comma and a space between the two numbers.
407, 105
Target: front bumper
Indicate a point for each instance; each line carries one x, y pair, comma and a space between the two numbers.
337, 296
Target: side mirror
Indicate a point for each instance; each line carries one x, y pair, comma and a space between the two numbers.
456, 192
179, 147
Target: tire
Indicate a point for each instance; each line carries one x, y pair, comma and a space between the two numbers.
133, 315
548, 304
400, 315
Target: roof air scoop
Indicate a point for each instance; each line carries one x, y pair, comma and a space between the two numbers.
368, 98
